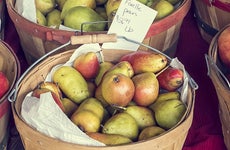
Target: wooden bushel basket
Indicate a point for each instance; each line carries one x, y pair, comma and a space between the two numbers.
216, 73
211, 16
2, 18
37, 40
173, 139
9, 64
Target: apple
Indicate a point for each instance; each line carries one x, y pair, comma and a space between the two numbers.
38, 91
224, 46
171, 79
87, 64
4, 84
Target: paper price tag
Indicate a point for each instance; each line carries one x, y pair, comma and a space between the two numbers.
132, 20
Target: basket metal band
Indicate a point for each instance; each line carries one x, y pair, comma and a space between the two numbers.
207, 28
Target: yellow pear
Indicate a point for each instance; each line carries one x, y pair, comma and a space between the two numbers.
104, 66
72, 83
60, 4
94, 105
163, 8
45, 6
69, 106
72, 3
110, 139
41, 19
86, 120
84, 18
150, 132
54, 18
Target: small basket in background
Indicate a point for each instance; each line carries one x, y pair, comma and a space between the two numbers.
211, 16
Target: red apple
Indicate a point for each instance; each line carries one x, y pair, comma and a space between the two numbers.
38, 91
224, 46
87, 64
4, 84
171, 79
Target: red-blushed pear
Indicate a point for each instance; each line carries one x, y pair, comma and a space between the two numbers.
38, 91
117, 89
87, 64
4, 84
224, 46
146, 88
145, 61
171, 79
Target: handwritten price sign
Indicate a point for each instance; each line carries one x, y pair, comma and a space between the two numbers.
132, 20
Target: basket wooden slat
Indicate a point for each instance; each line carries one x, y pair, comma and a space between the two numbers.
222, 90
38, 40
215, 18
32, 139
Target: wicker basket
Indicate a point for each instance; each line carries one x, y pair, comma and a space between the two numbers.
9, 64
32, 139
211, 17
37, 40
216, 73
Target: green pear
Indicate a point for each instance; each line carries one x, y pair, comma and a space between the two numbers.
41, 19
45, 6
60, 4
73, 3
72, 83
168, 113
123, 67
94, 105
150, 132
77, 16
122, 124
69, 106
143, 116
103, 67
111, 7
86, 120
163, 8
99, 96
54, 18
110, 139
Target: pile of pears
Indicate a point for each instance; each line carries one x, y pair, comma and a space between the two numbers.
90, 15
132, 99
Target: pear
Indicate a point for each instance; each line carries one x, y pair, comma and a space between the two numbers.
54, 18
78, 15
122, 124
163, 97
117, 89
99, 96
73, 3
92, 104
86, 120
72, 83
111, 7
123, 67
168, 113
69, 106
143, 116
92, 88
146, 88
110, 139
103, 67
145, 61
163, 8
150, 132
102, 12
52, 87
45, 6
41, 19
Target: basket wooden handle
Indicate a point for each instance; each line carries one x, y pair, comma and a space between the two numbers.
93, 38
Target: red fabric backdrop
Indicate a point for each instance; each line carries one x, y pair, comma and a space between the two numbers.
205, 132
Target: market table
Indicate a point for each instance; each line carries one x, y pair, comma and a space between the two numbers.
205, 132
